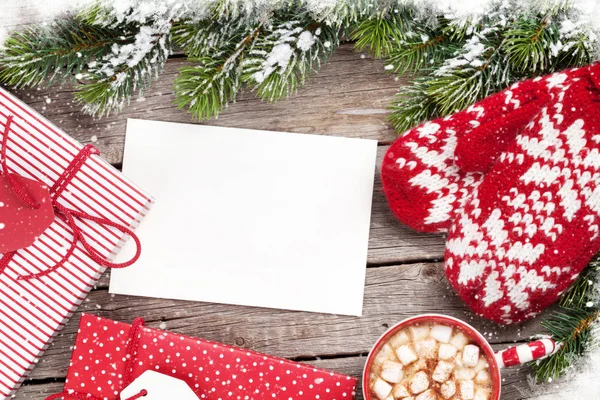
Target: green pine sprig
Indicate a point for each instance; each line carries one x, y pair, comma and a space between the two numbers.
526, 46
579, 294
45, 55
381, 33
285, 54
201, 38
111, 81
272, 59
412, 105
572, 325
213, 80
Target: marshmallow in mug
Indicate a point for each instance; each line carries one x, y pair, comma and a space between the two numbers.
430, 361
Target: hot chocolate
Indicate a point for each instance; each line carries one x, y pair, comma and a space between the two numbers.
430, 361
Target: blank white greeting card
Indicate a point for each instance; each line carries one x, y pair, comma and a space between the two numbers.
248, 217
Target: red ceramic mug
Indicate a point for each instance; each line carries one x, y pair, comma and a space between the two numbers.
505, 358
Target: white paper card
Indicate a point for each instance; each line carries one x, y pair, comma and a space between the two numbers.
249, 217
158, 387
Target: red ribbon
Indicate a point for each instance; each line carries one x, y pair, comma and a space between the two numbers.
132, 346
68, 215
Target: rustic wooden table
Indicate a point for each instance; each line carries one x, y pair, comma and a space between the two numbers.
348, 97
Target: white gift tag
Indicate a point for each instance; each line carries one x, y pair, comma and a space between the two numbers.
159, 387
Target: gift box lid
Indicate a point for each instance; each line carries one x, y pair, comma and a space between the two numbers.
213, 370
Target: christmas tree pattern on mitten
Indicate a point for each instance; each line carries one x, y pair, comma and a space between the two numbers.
422, 183
532, 224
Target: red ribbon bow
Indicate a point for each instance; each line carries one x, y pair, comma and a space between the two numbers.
68, 215
132, 345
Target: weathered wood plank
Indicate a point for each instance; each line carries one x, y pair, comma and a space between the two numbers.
392, 293
38, 391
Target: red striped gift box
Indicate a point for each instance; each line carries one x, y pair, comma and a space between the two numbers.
33, 311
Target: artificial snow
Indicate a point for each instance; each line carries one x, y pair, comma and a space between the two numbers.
305, 41
589, 12
279, 57
471, 54
290, 43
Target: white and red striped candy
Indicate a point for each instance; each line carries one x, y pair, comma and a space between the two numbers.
525, 353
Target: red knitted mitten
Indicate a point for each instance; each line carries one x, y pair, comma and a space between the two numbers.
423, 185
532, 225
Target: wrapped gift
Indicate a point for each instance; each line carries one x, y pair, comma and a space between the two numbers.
109, 355
71, 213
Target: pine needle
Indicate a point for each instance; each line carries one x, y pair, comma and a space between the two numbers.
528, 44
411, 106
380, 34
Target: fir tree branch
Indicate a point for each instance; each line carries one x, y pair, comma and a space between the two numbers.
207, 87
528, 44
284, 55
456, 89
55, 53
201, 38
419, 52
577, 53
572, 325
111, 81
472, 73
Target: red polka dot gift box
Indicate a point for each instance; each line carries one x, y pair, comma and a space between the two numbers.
108, 356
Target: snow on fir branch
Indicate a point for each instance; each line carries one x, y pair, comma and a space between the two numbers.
460, 51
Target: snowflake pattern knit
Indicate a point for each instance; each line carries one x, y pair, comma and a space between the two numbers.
423, 185
516, 180
532, 225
